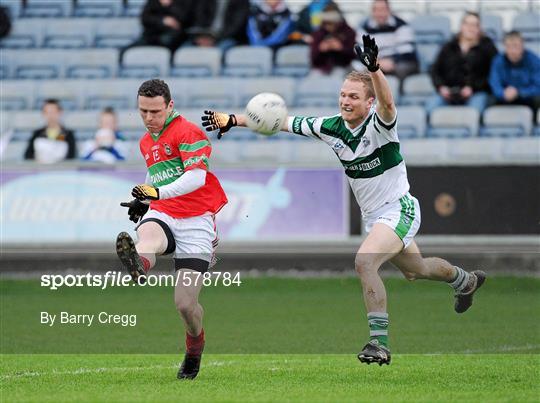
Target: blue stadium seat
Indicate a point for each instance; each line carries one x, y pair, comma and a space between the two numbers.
411, 122
492, 25
36, 63
23, 123
116, 93
69, 92
145, 62
507, 121
431, 29
528, 24
17, 95
25, 33
68, 33
116, 32
192, 61
427, 54
318, 91
294, 61
454, 122
98, 9
417, 89
211, 93
248, 61
134, 8
92, 63
14, 8
48, 8
248, 88
85, 123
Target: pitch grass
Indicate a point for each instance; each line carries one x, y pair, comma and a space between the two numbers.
275, 339
280, 378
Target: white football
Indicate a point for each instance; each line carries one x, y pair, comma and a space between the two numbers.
266, 113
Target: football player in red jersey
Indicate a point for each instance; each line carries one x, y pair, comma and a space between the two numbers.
174, 209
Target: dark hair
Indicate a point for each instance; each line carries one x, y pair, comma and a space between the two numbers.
109, 110
52, 101
513, 34
155, 88
471, 13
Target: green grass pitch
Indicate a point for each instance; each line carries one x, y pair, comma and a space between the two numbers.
275, 339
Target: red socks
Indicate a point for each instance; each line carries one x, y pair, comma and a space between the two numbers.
146, 263
195, 345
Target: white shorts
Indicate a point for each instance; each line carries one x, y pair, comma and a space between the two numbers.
403, 216
190, 239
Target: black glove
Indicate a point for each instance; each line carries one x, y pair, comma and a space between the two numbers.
145, 192
136, 209
217, 120
368, 57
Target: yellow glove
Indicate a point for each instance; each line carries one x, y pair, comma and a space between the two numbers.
145, 192
217, 120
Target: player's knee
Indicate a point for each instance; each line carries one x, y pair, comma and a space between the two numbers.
410, 276
363, 264
185, 306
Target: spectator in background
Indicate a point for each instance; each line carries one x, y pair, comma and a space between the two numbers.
269, 24
309, 20
397, 51
107, 145
332, 48
515, 74
461, 70
220, 23
53, 142
165, 23
5, 22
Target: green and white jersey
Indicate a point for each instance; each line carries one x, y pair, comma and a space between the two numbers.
369, 154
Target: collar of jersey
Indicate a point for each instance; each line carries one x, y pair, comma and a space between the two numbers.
174, 114
354, 131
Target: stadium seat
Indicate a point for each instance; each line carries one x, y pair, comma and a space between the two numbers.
292, 61
16, 95
146, 62
492, 25
91, 63
178, 88
427, 54
507, 121
536, 131
318, 91
506, 9
212, 93
116, 32
25, 33
130, 125
134, 8
248, 88
196, 62
431, 29
36, 63
529, 25
100, 9
248, 61
417, 89
48, 8
68, 33
408, 9
84, 123
394, 84
453, 10
69, 92
411, 122
424, 151
454, 121
116, 93
14, 8
24, 123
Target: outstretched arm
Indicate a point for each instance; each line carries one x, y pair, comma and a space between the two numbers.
224, 122
368, 57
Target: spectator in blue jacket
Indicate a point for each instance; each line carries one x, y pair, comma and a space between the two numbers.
270, 24
515, 74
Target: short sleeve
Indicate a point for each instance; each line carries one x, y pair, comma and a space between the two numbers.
387, 130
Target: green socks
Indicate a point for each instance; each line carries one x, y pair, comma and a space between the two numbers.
378, 327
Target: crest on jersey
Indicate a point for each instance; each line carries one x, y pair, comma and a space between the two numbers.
366, 141
167, 148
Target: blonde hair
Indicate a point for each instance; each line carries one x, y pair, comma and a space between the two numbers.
362, 77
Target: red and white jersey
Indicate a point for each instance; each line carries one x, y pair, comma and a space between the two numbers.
179, 147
